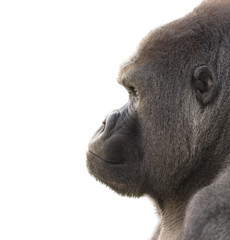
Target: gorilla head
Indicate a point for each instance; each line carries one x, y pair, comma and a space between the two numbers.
172, 138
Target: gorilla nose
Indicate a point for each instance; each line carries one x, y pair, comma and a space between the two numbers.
111, 120
99, 146
107, 125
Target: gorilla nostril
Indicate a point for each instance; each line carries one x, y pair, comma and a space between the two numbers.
111, 118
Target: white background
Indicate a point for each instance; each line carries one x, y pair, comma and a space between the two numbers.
59, 62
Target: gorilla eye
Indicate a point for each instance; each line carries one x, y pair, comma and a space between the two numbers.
133, 92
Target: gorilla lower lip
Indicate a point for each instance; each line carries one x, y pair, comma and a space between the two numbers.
94, 155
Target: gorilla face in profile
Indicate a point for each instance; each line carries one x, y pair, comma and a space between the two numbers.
171, 140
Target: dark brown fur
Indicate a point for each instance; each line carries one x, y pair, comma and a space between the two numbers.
172, 139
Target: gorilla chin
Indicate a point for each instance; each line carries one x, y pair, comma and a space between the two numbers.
114, 175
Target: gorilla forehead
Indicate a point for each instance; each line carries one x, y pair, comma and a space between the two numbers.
163, 49
193, 40
185, 39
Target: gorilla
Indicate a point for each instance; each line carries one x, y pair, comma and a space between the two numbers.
171, 141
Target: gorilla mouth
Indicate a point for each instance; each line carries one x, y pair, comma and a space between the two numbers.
90, 154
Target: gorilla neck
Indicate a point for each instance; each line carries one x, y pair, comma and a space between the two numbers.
172, 219
172, 207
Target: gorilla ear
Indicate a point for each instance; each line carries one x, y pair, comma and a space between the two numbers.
205, 85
